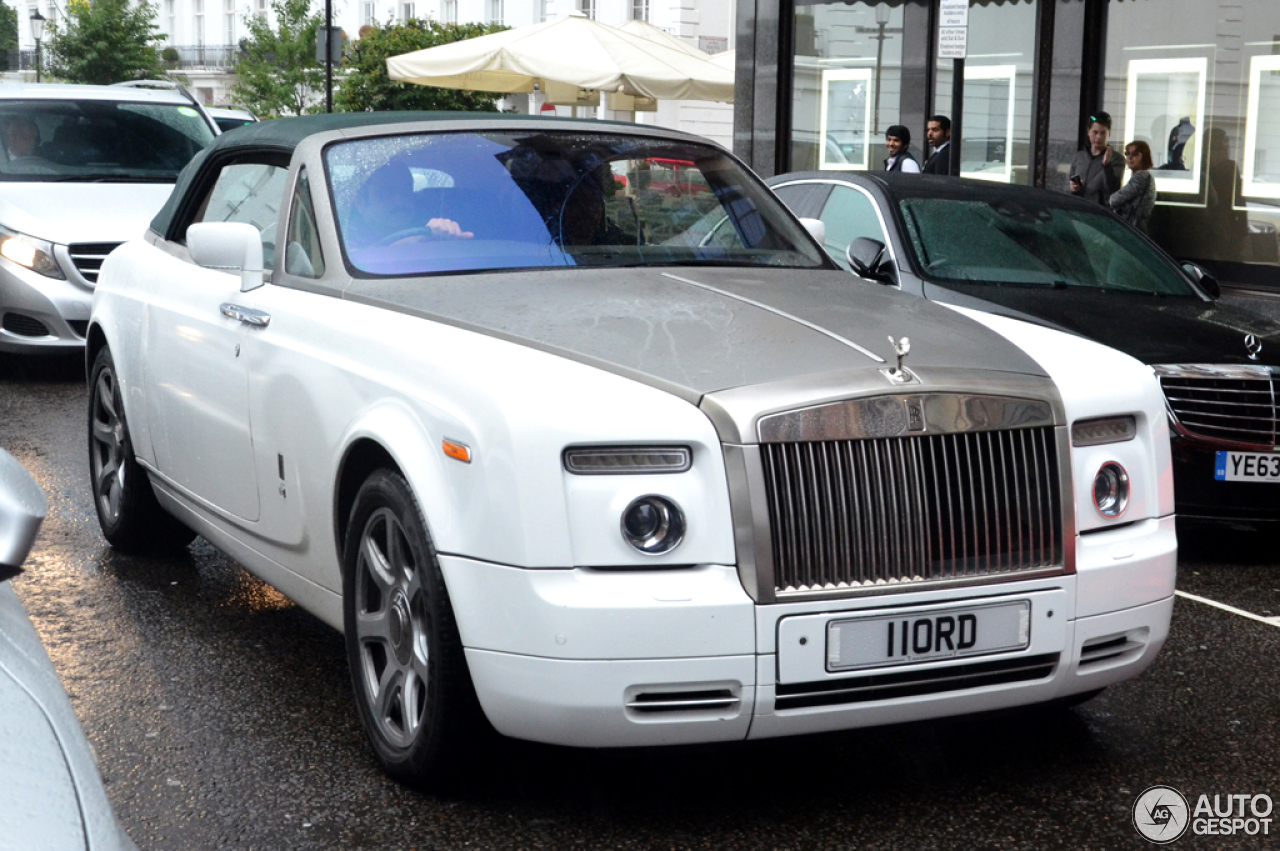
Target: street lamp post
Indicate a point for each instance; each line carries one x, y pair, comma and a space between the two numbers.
879, 33
37, 33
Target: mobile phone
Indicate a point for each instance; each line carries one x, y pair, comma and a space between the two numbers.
1075, 178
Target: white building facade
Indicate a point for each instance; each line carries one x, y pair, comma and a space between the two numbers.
206, 35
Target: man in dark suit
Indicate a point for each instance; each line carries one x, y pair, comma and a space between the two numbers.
897, 139
938, 130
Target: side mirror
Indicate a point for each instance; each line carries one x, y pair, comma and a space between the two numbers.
1203, 279
228, 247
22, 509
816, 228
865, 256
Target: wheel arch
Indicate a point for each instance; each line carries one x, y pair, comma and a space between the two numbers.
95, 341
390, 435
362, 458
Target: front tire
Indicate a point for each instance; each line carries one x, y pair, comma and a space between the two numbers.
410, 677
131, 518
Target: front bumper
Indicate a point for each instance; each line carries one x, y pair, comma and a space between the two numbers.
43, 314
607, 659
1201, 497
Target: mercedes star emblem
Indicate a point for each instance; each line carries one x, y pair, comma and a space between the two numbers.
1251, 342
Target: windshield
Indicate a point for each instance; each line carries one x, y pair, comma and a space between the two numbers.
93, 140
448, 202
1032, 243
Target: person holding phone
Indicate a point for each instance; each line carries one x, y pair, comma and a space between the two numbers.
1096, 171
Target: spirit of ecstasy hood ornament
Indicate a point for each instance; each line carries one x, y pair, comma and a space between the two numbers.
902, 348
1254, 345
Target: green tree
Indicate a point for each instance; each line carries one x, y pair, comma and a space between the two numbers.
105, 42
278, 73
366, 87
8, 27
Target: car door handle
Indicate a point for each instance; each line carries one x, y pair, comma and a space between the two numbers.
247, 315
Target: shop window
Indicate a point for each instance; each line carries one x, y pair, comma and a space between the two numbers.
1202, 88
996, 126
848, 84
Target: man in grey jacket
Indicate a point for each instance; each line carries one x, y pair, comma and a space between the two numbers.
1096, 171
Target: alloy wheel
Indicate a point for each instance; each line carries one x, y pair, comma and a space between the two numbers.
110, 441
391, 629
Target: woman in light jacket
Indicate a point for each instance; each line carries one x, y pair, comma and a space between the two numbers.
1137, 198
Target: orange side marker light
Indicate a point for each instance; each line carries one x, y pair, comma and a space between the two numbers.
457, 451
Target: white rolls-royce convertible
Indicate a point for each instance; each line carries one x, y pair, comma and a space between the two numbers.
603, 459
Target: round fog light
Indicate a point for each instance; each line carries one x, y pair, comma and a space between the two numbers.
653, 525
1111, 490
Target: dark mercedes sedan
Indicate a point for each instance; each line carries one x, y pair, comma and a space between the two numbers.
1055, 260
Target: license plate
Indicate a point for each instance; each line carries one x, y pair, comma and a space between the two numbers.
1247, 467
901, 639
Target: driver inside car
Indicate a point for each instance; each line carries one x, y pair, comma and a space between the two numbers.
385, 212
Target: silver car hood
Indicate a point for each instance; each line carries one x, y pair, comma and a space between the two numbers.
52, 796
81, 212
698, 331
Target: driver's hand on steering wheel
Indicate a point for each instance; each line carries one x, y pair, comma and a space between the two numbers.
448, 229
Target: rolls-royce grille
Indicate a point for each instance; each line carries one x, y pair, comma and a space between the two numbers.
849, 514
88, 257
1236, 410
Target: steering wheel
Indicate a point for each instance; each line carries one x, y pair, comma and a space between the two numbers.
392, 238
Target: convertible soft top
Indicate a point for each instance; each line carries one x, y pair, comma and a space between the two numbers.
285, 134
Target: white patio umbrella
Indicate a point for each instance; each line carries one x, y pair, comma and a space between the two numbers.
647, 31
725, 59
575, 51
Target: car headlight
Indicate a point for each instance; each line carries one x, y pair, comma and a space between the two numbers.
1111, 489
626, 460
653, 525
34, 254
1104, 430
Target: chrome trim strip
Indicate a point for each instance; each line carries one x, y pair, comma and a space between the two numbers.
913, 587
811, 326
889, 416
751, 534
1205, 370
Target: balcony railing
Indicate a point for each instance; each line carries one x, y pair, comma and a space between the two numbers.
211, 57
218, 57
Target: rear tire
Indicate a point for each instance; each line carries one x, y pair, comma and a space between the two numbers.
414, 693
131, 518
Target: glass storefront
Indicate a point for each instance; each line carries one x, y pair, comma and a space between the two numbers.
1197, 80
848, 82
998, 81
1200, 83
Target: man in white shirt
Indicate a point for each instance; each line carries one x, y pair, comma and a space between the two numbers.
897, 139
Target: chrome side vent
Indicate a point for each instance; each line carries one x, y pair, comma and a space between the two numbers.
88, 257
874, 687
718, 699
1235, 405
856, 514
1113, 648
